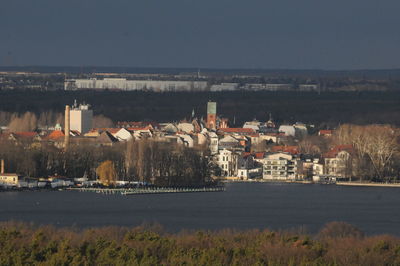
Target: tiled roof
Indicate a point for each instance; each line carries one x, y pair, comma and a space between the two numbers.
56, 134
259, 155
338, 148
27, 134
290, 149
138, 128
325, 132
238, 130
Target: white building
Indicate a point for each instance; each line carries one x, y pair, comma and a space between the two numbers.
300, 130
124, 84
227, 161
281, 166
186, 127
255, 125
81, 118
225, 87
288, 130
123, 135
213, 142
339, 165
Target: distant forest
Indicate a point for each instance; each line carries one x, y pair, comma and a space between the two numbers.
325, 110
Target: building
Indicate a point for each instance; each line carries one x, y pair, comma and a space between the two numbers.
268, 86
212, 115
288, 130
8, 179
213, 142
238, 131
325, 133
338, 161
129, 85
228, 162
247, 167
281, 166
225, 87
308, 87
81, 118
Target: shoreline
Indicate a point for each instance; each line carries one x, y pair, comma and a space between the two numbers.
365, 184
355, 184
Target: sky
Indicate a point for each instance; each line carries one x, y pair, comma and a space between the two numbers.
268, 34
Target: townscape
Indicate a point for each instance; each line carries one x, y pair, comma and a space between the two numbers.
199, 132
191, 152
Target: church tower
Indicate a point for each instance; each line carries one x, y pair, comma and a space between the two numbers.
211, 115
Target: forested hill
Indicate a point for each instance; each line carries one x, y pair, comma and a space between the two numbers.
321, 109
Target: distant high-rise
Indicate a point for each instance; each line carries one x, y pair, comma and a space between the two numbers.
81, 118
211, 115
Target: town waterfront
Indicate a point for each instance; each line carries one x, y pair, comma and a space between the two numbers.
276, 206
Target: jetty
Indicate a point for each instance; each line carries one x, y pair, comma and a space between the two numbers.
150, 190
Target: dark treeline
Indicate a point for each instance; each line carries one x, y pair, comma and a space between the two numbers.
325, 109
156, 162
337, 244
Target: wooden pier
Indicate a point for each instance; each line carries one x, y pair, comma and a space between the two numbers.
152, 190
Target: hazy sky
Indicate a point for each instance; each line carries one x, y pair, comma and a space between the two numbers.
295, 34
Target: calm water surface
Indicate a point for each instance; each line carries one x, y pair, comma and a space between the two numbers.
243, 206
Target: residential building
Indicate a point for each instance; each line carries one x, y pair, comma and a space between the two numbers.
227, 160
338, 161
288, 130
281, 166
213, 142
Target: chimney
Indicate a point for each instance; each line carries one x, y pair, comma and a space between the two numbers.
67, 125
2, 166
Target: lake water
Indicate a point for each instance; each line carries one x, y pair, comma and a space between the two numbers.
244, 206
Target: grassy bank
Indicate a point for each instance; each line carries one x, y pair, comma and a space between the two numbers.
336, 244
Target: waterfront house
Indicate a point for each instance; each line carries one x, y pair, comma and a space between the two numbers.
281, 166
8, 179
338, 161
227, 160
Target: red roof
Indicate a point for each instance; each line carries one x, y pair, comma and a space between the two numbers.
56, 134
256, 155
259, 155
237, 130
290, 149
338, 148
138, 128
27, 134
325, 132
